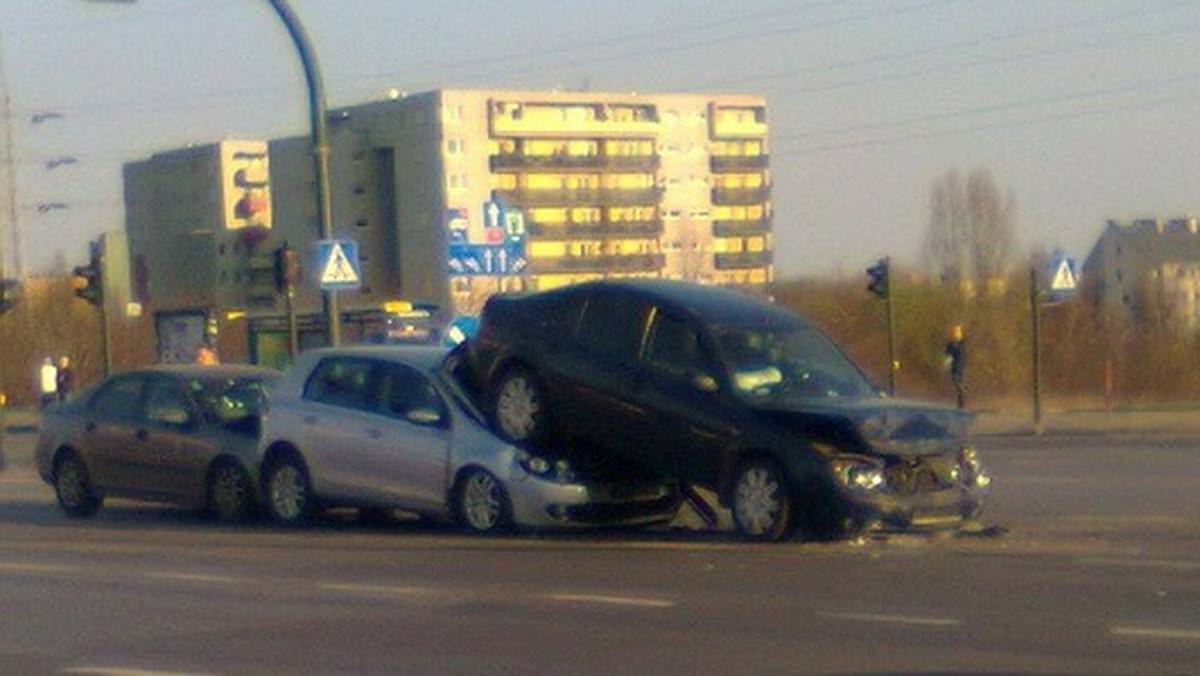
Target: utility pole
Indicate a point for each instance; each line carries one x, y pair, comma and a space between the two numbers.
1035, 312
316, 103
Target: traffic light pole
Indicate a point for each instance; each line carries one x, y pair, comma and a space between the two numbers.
316, 102
891, 327
1035, 311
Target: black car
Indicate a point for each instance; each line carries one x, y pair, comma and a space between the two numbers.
724, 391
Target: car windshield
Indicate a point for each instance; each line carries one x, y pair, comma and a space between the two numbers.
786, 363
230, 399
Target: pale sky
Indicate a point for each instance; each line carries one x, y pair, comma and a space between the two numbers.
1085, 109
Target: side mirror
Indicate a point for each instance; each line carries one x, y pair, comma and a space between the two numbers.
704, 382
424, 416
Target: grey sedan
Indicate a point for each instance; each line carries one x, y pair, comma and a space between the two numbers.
179, 434
388, 428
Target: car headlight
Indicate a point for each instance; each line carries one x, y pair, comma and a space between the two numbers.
858, 473
551, 470
971, 469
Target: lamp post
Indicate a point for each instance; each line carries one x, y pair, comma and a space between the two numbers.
316, 103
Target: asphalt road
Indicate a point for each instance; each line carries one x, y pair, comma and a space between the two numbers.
1090, 564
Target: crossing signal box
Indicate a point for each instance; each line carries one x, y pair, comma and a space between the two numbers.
245, 184
88, 282
10, 293
878, 274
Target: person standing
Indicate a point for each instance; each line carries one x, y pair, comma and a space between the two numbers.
956, 362
65, 379
47, 382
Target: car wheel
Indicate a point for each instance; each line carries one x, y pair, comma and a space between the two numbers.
481, 503
230, 492
73, 487
519, 410
762, 502
288, 491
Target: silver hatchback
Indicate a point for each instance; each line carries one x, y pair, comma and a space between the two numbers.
388, 428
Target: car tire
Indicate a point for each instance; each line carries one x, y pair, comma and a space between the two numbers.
73, 488
230, 492
519, 407
763, 502
481, 504
288, 491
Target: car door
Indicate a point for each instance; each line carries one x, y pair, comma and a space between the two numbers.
602, 404
111, 420
679, 383
171, 449
361, 447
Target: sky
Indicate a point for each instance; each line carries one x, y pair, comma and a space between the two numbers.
1085, 110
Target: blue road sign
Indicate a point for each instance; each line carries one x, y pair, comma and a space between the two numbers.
486, 259
337, 264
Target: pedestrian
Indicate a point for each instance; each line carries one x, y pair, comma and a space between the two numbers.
956, 362
205, 354
47, 382
65, 379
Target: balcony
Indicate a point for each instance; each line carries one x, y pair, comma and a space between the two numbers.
605, 230
741, 196
746, 228
597, 264
567, 163
742, 260
569, 197
733, 163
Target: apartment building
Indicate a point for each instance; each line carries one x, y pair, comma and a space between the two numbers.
453, 195
1147, 270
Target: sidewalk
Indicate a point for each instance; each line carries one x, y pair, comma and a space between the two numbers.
1166, 420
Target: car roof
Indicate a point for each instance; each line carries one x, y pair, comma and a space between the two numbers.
213, 370
424, 356
714, 304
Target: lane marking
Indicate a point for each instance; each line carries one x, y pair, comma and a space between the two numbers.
894, 619
381, 590
1157, 633
193, 577
1150, 563
8, 567
610, 600
119, 671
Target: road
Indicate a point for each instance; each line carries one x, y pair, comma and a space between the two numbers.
1091, 565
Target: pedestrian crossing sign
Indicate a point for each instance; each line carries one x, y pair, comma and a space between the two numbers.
337, 262
1063, 276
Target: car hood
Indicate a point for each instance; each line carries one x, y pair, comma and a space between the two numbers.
888, 427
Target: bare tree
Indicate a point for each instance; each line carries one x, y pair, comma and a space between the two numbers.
971, 237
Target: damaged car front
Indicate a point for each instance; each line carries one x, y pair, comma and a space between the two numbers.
900, 465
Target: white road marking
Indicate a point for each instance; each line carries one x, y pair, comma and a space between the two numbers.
610, 600
192, 577
1142, 563
1157, 633
381, 590
894, 619
11, 567
118, 671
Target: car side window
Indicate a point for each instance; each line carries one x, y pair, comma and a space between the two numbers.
407, 394
613, 326
344, 382
674, 346
167, 402
120, 399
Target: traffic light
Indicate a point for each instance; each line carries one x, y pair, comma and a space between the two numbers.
879, 285
89, 284
245, 184
10, 293
287, 269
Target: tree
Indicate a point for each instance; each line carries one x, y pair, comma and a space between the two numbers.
971, 238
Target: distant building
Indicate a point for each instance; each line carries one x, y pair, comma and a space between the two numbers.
453, 195
1148, 270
